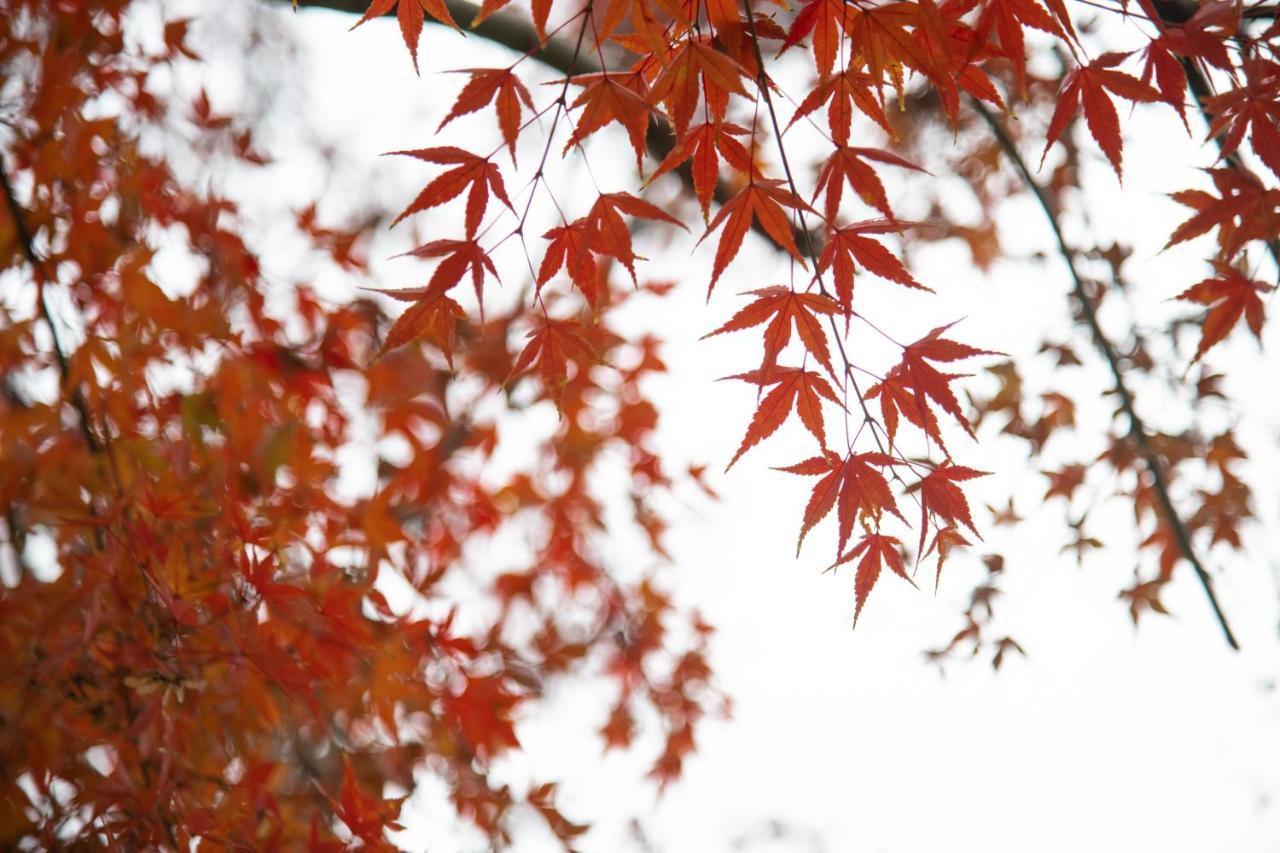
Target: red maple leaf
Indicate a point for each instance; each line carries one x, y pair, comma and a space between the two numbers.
1229, 296
850, 484
784, 308
874, 549
486, 85
471, 171
411, 16
794, 388
913, 382
1087, 87
762, 200
849, 244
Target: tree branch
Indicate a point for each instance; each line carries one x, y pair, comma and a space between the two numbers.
37, 268
1137, 429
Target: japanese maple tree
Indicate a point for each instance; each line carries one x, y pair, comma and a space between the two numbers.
207, 639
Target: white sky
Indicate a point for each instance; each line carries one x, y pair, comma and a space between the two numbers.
1103, 739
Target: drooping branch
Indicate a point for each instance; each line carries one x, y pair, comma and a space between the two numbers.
1137, 428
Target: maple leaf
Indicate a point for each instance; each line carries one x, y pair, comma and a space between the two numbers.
1064, 482
1003, 646
1159, 63
486, 85
846, 245
1006, 19
703, 145
610, 97
794, 388
1144, 596
851, 484
784, 308
762, 200
909, 386
365, 816
944, 540
471, 171
845, 165
436, 315
483, 710
1254, 109
410, 14
1229, 296
941, 497
691, 63
824, 20
541, 12
609, 232
459, 257
874, 549
1244, 209
1087, 86
845, 93
570, 246
551, 347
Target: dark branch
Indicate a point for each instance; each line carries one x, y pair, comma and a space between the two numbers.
1137, 429
37, 268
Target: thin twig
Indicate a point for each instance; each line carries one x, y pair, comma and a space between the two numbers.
1137, 429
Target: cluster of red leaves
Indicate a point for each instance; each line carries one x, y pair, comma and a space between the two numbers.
214, 658
199, 636
699, 75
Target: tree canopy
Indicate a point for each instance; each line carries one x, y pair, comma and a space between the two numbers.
208, 636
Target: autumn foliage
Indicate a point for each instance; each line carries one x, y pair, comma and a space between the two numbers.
205, 636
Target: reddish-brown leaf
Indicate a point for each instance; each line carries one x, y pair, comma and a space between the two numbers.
846, 245
913, 382
874, 549
1088, 87
471, 171
410, 14
853, 483
846, 165
762, 200
793, 388
784, 308
486, 85
703, 145
1229, 296
940, 497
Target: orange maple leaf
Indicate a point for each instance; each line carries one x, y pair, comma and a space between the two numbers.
485, 85
874, 549
471, 171
795, 388
785, 308
762, 200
